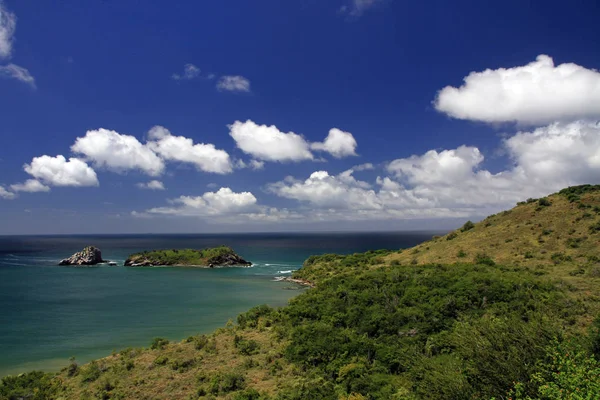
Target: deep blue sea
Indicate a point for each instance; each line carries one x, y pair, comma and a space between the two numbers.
50, 313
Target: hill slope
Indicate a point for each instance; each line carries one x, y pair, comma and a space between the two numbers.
563, 228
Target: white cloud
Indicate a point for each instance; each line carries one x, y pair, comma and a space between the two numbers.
117, 152
356, 8
256, 165
451, 183
205, 157
536, 93
152, 185
13, 71
233, 84
337, 143
363, 167
210, 204
560, 153
190, 71
268, 143
5, 194
8, 24
31, 186
57, 171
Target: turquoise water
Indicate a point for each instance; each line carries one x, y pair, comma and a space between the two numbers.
50, 313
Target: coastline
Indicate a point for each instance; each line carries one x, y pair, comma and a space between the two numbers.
297, 281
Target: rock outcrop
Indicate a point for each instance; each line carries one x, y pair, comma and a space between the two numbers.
88, 256
227, 260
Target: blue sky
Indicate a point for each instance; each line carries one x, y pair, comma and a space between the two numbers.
130, 116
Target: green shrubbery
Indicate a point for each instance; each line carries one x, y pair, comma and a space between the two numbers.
34, 385
445, 332
158, 343
467, 226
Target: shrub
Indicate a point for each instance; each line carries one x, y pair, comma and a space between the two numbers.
35, 385
245, 347
467, 226
567, 373
451, 236
73, 368
161, 360
200, 342
484, 259
544, 202
595, 228
248, 394
226, 383
461, 254
158, 343
183, 365
90, 372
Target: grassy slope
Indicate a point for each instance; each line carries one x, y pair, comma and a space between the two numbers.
559, 240
181, 257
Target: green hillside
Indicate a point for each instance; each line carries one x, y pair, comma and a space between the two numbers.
488, 311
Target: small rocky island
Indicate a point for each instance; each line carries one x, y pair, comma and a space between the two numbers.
222, 256
88, 256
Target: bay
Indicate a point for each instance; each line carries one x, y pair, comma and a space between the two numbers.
50, 313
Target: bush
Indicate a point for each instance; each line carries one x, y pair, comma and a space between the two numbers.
90, 372
484, 259
245, 347
248, 394
461, 254
451, 236
544, 202
35, 385
567, 373
158, 343
226, 383
161, 360
467, 226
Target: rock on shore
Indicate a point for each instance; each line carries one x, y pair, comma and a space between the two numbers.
88, 256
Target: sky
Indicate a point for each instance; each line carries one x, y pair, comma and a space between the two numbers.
156, 116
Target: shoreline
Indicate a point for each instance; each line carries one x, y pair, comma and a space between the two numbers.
302, 282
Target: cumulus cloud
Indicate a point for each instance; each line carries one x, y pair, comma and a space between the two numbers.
13, 71
536, 93
6, 195
268, 143
356, 8
57, 171
8, 24
222, 202
452, 183
205, 157
235, 83
363, 167
337, 143
152, 185
31, 186
117, 152
190, 71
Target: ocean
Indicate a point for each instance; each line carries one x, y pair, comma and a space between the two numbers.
50, 313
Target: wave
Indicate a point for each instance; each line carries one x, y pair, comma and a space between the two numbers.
289, 271
280, 265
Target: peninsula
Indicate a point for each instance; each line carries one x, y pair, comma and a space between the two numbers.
222, 256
